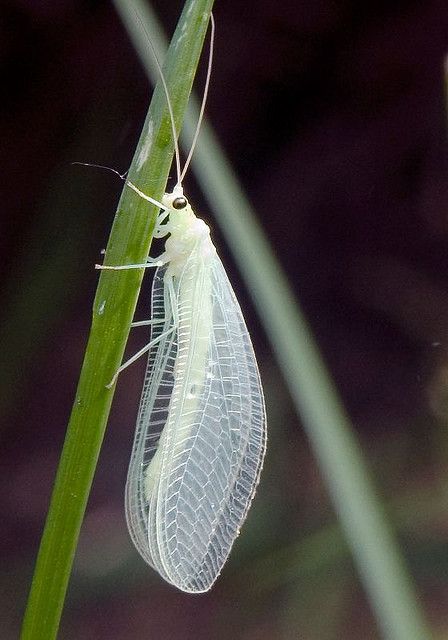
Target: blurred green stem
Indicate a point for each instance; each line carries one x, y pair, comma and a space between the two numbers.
386, 580
113, 310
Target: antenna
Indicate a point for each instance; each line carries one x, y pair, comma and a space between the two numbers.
181, 174
103, 166
204, 100
168, 100
158, 204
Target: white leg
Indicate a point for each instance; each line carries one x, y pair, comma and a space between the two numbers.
148, 323
137, 355
161, 230
173, 315
162, 216
151, 262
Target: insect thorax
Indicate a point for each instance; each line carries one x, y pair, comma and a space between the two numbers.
188, 235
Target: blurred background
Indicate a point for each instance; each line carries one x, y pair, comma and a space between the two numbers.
333, 115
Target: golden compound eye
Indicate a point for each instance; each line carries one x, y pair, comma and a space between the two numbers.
180, 202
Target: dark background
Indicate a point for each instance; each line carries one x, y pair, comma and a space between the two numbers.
333, 116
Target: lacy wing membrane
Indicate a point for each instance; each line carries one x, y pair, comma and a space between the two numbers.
152, 416
215, 433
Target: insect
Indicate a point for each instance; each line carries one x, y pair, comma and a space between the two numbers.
201, 426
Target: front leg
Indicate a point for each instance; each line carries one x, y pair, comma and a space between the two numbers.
151, 262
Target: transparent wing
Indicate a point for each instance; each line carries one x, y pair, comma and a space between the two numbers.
213, 445
152, 415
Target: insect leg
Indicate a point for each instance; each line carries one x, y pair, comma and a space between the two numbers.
150, 262
147, 323
161, 229
139, 353
173, 317
162, 216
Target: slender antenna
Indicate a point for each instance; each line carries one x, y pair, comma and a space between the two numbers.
168, 100
102, 166
158, 204
204, 100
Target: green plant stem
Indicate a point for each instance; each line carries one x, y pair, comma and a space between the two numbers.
113, 310
389, 586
